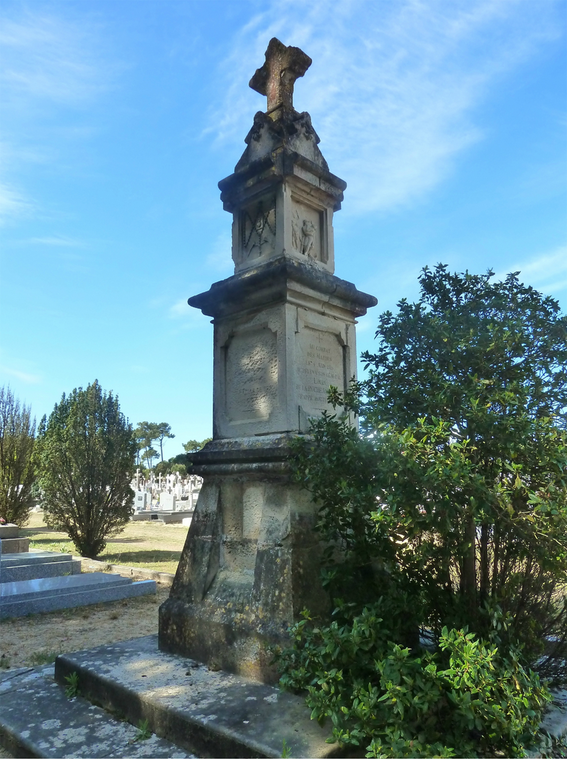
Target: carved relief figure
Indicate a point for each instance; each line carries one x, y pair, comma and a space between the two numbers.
307, 237
295, 231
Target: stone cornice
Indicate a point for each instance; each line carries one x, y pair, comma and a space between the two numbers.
273, 282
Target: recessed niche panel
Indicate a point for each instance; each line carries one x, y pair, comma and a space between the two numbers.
307, 237
251, 375
320, 364
258, 231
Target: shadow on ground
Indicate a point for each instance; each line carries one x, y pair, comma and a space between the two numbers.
139, 557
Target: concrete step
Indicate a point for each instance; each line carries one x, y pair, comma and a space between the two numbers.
16, 567
201, 712
205, 712
51, 593
37, 719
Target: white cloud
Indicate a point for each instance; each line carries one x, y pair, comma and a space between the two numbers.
47, 58
394, 85
30, 379
545, 271
180, 309
12, 203
50, 64
56, 240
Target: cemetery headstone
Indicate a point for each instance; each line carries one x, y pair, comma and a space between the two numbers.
284, 331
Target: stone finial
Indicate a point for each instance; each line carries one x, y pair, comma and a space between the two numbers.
278, 74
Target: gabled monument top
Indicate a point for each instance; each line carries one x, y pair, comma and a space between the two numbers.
278, 74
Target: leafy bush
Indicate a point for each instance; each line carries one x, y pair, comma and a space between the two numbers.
17, 464
447, 516
86, 456
466, 700
456, 495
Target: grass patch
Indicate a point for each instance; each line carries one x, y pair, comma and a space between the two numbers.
43, 657
148, 545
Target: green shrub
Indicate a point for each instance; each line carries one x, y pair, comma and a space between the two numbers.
447, 514
467, 699
86, 462
17, 461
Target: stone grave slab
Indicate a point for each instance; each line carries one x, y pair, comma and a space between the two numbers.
49, 594
9, 530
11, 541
30, 566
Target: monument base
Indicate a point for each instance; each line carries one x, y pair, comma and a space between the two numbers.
250, 564
204, 712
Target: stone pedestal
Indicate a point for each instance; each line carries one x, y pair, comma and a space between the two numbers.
284, 332
250, 563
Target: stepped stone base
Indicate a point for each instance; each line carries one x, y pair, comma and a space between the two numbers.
37, 719
209, 713
16, 567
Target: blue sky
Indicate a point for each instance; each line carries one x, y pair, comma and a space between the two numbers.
446, 119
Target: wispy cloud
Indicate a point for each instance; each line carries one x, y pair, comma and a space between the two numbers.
546, 271
12, 203
48, 58
180, 309
50, 64
186, 317
30, 379
57, 241
394, 85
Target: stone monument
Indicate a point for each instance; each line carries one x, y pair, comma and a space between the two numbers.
284, 331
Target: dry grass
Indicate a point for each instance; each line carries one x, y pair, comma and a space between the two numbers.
38, 638
152, 545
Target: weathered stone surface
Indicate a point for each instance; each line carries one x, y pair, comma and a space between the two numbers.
282, 197
284, 332
276, 77
202, 710
37, 719
250, 564
282, 194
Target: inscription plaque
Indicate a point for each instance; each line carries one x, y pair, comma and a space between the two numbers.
251, 375
320, 364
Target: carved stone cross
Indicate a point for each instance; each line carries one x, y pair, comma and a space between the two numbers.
278, 74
